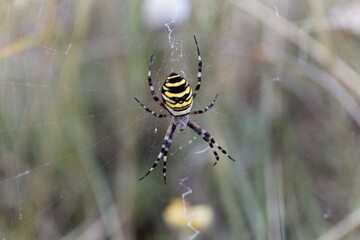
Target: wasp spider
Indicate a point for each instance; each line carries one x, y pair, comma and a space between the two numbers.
177, 99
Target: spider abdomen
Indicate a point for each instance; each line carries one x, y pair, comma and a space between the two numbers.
177, 95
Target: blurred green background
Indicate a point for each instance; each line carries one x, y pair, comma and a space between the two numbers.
73, 142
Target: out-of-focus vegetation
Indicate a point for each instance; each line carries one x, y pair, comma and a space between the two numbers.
73, 142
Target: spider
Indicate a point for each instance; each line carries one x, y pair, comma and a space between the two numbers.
177, 99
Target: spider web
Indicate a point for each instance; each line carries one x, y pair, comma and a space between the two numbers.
37, 97
73, 142
182, 181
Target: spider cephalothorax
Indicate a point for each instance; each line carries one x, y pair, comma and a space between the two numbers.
177, 99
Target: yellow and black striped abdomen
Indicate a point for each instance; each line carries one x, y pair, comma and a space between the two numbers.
177, 95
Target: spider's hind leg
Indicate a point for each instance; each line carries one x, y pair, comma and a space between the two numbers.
198, 84
151, 86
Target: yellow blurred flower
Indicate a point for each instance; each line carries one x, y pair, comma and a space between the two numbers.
200, 216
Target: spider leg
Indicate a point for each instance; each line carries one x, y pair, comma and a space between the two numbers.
167, 149
153, 94
205, 109
159, 115
208, 138
197, 88
164, 149
215, 154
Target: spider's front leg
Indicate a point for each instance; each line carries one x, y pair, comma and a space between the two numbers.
209, 139
164, 150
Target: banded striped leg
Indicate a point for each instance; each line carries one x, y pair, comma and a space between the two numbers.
205, 109
209, 139
159, 115
153, 94
164, 150
171, 133
215, 154
197, 88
